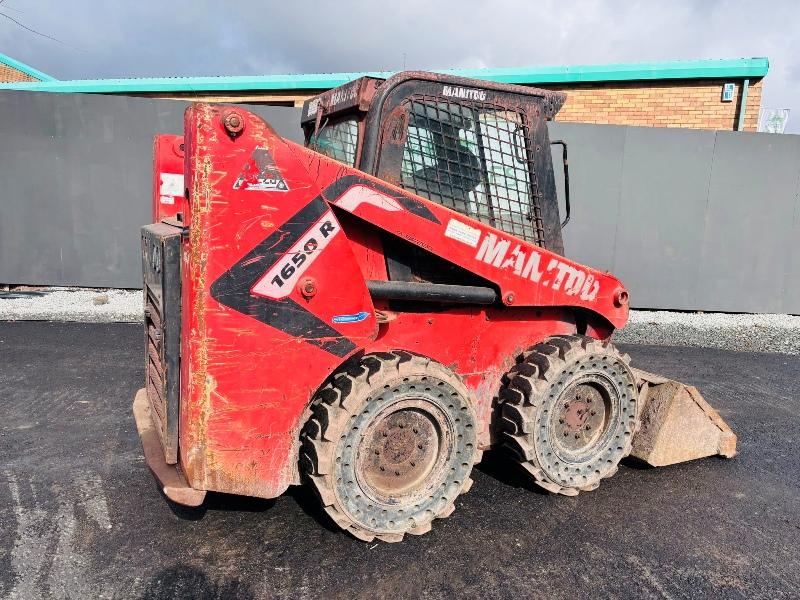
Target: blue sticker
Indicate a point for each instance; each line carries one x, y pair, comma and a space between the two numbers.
351, 318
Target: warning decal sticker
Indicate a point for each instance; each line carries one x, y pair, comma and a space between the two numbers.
463, 233
261, 173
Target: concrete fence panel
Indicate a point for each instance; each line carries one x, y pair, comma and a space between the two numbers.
75, 183
693, 220
687, 219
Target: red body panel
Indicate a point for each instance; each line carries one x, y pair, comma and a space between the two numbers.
274, 296
168, 180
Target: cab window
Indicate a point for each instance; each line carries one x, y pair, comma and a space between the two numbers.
338, 140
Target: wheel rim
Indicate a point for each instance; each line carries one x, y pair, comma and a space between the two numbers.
403, 450
582, 417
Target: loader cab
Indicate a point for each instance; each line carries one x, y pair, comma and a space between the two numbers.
477, 147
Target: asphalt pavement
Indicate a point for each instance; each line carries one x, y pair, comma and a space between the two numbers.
81, 517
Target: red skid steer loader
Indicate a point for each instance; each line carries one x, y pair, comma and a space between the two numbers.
367, 314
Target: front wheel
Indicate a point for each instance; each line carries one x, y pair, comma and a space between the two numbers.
569, 412
390, 445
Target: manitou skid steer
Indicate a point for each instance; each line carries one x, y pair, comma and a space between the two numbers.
366, 315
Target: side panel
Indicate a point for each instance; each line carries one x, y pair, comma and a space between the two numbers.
168, 180
254, 347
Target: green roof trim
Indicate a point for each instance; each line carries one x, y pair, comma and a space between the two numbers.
740, 68
28, 70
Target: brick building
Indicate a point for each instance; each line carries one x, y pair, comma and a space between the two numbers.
700, 94
13, 71
693, 104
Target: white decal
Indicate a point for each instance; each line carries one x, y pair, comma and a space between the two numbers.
361, 194
171, 184
167, 200
463, 233
313, 105
526, 263
466, 93
281, 278
492, 250
344, 94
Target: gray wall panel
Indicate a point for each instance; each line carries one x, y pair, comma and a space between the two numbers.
687, 219
75, 183
748, 244
791, 280
595, 164
660, 224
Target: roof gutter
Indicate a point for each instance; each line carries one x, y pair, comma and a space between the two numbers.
752, 68
28, 70
743, 105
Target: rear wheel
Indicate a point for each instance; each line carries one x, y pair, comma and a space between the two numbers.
390, 445
569, 412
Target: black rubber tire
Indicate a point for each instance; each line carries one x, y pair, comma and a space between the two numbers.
537, 388
354, 403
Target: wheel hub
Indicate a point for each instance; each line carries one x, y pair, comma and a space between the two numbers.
581, 417
400, 451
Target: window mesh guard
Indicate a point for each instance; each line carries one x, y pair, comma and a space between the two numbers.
473, 159
337, 140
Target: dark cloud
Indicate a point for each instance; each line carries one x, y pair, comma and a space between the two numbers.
147, 38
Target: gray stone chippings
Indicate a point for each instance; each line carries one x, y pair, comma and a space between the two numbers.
78, 305
728, 331
743, 332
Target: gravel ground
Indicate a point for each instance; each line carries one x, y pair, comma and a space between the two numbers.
742, 332
77, 305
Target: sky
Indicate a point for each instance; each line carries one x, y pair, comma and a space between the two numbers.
145, 38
